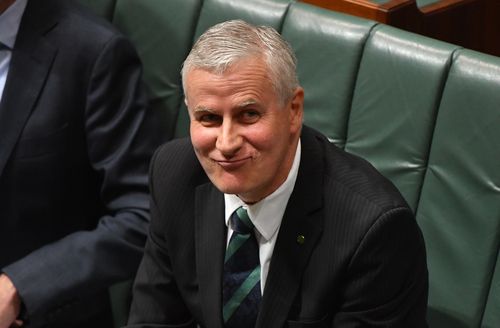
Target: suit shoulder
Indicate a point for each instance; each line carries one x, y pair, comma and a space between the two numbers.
71, 20
86, 22
175, 173
176, 162
176, 149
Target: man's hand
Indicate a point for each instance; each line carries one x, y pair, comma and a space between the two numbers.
10, 303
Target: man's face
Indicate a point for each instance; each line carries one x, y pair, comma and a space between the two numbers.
244, 136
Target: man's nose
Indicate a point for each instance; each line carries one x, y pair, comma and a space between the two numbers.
229, 140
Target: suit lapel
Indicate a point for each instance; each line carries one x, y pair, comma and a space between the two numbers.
303, 218
32, 59
210, 247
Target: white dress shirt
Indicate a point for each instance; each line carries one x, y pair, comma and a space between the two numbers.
266, 216
10, 20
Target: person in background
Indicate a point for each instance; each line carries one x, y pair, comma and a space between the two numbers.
260, 221
75, 142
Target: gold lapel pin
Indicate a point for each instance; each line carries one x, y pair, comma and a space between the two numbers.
301, 239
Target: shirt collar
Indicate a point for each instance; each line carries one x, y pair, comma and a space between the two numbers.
266, 215
10, 20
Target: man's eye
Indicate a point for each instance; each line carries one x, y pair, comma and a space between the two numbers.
209, 119
250, 116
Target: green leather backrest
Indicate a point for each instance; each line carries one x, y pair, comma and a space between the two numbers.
423, 3
104, 8
397, 93
261, 12
162, 31
328, 47
424, 112
459, 209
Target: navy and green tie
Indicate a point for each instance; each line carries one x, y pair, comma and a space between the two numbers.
241, 283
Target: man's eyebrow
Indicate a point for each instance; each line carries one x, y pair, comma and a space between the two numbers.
248, 102
244, 104
202, 109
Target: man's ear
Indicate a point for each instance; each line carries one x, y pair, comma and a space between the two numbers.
297, 109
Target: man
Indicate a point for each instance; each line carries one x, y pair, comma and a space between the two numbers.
75, 141
334, 242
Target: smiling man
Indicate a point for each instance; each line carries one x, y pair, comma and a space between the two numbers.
243, 135
259, 221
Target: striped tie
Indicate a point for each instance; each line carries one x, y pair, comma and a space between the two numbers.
241, 290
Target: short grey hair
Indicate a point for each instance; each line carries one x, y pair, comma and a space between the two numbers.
227, 43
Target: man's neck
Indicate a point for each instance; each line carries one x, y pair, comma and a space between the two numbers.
4, 4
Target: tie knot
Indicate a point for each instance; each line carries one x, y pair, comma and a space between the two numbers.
240, 222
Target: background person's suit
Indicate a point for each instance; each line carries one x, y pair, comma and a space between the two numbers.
362, 263
75, 141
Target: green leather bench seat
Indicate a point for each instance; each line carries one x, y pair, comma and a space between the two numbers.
423, 3
329, 52
425, 113
163, 34
394, 105
459, 210
104, 8
269, 13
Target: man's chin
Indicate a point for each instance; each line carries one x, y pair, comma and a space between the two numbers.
232, 189
244, 195
229, 183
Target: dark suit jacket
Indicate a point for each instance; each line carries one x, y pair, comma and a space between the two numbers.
75, 142
362, 263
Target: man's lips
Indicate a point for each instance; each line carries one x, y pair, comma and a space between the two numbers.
232, 164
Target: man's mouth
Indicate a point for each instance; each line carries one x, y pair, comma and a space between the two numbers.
232, 164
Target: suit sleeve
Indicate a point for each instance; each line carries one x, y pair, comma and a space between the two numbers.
156, 299
387, 276
121, 135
